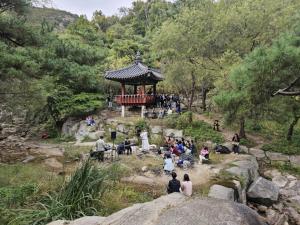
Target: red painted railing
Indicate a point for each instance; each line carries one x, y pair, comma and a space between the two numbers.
135, 99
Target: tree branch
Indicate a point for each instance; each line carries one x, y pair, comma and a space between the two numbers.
285, 91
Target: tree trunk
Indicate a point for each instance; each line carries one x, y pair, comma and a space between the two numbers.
242, 132
204, 94
191, 100
291, 128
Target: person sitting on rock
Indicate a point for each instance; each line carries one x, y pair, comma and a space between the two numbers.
180, 147
186, 186
174, 184
88, 120
92, 121
204, 155
168, 164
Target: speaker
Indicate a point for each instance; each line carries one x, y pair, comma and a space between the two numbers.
113, 135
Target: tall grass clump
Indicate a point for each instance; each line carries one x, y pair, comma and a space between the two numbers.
80, 196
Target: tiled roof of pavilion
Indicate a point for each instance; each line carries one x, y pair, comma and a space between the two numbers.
135, 73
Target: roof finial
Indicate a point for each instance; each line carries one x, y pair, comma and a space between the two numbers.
138, 57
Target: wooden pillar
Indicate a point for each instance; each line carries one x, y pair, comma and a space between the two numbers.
135, 89
154, 89
123, 89
123, 111
144, 89
143, 109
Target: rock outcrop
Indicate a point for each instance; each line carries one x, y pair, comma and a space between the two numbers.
263, 191
178, 209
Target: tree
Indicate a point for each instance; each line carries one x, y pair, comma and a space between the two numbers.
273, 68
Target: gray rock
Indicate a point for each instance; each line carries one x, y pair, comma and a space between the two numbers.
287, 193
228, 145
59, 222
173, 133
295, 200
272, 173
293, 215
28, 159
221, 192
295, 160
251, 166
241, 191
176, 209
156, 129
122, 128
240, 172
263, 191
53, 164
95, 135
70, 127
280, 181
258, 153
275, 156
244, 149
88, 220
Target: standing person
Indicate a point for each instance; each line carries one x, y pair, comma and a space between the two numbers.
186, 186
100, 148
145, 142
128, 146
236, 143
193, 147
174, 184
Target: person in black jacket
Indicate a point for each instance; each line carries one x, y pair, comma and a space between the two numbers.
174, 184
127, 146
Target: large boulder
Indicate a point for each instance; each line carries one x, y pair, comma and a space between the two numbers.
221, 192
240, 172
280, 181
70, 127
258, 153
263, 191
251, 166
156, 129
275, 156
173, 133
176, 209
295, 160
87, 220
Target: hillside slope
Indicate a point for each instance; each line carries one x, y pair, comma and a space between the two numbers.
58, 18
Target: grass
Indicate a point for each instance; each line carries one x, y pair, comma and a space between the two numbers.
275, 134
88, 139
73, 153
123, 195
283, 146
286, 168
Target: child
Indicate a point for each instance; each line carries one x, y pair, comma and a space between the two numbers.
204, 155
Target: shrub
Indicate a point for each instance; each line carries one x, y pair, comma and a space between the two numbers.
202, 132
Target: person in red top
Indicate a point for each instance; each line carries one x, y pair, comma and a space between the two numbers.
174, 150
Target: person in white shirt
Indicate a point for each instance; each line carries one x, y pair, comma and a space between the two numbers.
145, 142
168, 164
100, 148
186, 186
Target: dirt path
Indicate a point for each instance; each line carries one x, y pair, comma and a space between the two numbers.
228, 134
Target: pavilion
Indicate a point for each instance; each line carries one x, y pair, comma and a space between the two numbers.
137, 75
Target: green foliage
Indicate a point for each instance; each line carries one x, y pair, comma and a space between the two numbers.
65, 104
202, 132
179, 121
287, 168
16, 196
284, 146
